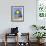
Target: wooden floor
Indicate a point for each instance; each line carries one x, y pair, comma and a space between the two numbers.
13, 44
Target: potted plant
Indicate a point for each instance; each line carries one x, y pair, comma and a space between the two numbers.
39, 35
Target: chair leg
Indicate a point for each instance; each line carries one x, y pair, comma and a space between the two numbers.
5, 43
17, 39
5, 39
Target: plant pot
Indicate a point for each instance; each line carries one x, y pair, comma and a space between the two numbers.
38, 40
42, 40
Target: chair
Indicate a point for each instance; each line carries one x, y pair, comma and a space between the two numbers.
14, 32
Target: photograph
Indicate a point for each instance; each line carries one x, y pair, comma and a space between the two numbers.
17, 13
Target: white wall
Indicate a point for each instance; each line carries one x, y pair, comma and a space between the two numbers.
29, 15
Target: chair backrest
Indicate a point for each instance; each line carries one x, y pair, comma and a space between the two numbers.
14, 30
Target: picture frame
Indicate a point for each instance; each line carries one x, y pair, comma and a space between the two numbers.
41, 12
41, 8
17, 13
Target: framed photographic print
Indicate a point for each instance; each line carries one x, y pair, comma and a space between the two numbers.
41, 8
17, 13
41, 12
